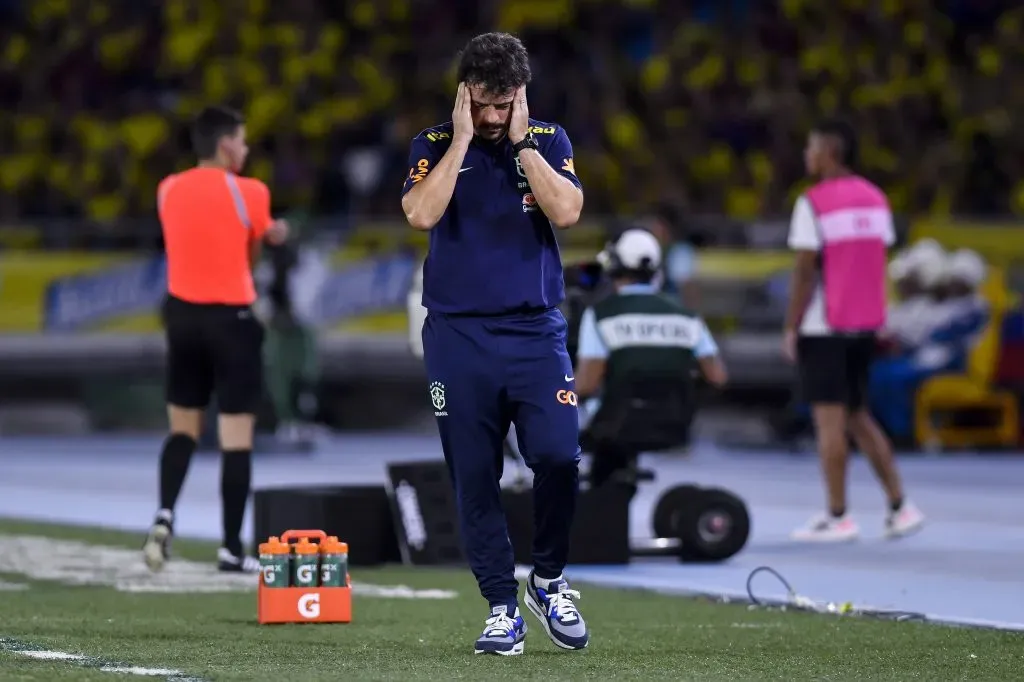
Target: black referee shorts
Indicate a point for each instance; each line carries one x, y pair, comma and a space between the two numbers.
211, 348
835, 369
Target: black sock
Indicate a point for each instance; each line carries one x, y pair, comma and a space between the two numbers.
838, 513
235, 478
896, 506
174, 461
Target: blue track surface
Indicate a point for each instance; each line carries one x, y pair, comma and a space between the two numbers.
966, 565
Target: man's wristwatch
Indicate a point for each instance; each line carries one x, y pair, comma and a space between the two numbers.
528, 142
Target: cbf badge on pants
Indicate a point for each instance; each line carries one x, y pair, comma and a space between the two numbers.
438, 399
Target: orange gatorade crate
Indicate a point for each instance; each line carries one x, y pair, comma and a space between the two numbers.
304, 581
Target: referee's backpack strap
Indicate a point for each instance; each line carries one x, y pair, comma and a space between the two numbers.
236, 196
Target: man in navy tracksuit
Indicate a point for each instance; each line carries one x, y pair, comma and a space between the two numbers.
491, 186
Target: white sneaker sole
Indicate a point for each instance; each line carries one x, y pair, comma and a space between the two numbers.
517, 649
153, 550
904, 531
533, 607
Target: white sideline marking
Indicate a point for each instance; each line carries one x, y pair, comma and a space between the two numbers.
52, 655
144, 672
79, 563
28, 650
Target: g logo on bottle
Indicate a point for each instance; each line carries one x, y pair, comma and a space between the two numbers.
306, 575
309, 605
566, 397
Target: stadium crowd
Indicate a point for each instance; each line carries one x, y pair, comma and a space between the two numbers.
703, 104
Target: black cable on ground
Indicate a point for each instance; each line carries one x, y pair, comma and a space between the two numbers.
795, 600
767, 569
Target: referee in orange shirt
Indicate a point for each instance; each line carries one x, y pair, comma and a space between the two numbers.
214, 222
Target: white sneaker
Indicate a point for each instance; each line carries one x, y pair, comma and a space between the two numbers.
156, 550
907, 520
234, 563
826, 528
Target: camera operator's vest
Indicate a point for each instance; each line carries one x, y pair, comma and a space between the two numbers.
648, 335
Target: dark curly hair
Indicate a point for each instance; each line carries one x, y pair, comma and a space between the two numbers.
497, 61
848, 149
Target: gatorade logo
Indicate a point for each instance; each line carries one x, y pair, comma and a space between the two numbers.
305, 574
269, 575
309, 605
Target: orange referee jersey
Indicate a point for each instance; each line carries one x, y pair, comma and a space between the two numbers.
210, 217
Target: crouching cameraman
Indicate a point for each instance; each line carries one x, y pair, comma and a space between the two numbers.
638, 353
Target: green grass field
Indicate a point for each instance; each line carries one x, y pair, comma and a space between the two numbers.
58, 596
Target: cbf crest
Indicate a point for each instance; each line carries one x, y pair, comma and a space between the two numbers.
521, 183
519, 168
438, 399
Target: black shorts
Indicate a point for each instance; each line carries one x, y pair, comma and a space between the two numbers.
835, 369
213, 348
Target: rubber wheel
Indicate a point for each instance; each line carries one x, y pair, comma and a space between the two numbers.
671, 506
715, 528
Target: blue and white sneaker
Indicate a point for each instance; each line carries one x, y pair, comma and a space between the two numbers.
552, 602
503, 635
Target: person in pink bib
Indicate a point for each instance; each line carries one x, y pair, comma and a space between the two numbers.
841, 229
